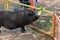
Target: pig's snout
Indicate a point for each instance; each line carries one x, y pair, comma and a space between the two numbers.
37, 17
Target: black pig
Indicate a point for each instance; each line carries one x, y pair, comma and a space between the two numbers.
13, 20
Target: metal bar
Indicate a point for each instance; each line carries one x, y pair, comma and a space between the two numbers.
48, 12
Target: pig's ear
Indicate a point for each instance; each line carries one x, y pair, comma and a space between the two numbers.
31, 12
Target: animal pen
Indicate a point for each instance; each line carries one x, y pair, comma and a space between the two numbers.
54, 22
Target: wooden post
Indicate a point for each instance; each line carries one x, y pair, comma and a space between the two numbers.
54, 27
32, 4
6, 5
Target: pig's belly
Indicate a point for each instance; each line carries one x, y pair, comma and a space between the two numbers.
10, 25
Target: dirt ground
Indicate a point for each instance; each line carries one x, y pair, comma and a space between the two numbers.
17, 35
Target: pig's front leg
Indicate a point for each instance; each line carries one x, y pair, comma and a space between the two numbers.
22, 29
0, 29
